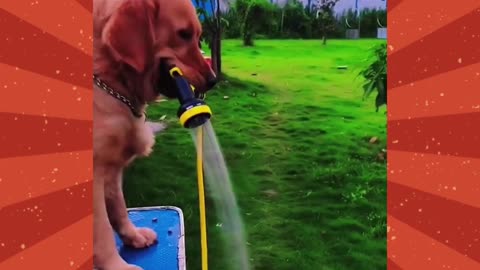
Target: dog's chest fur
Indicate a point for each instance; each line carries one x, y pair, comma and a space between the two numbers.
118, 136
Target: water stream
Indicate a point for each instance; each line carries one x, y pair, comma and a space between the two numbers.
219, 189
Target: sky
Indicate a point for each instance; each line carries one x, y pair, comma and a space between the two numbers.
346, 4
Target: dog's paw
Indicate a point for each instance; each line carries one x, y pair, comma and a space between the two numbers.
157, 127
146, 140
132, 267
140, 238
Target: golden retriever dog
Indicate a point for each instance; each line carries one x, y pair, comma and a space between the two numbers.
134, 42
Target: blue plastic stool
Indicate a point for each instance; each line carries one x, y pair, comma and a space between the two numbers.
169, 252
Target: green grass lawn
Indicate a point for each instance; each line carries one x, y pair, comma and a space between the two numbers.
295, 133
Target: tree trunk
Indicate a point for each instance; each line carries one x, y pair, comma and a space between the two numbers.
213, 53
219, 54
216, 53
216, 42
324, 33
218, 39
282, 21
248, 39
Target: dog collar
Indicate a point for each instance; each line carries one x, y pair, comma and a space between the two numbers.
102, 85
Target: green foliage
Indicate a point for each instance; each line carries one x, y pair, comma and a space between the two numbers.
297, 23
370, 22
371, 19
294, 21
376, 76
255, 15
325, 17
234, 27
349, 19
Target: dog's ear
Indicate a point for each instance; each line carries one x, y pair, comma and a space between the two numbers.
129, 33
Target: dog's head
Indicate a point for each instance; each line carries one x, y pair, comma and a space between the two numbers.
149, 36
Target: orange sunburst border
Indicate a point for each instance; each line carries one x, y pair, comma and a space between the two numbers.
46, 142
434, 109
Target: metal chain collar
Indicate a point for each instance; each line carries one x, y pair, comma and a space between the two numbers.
116, 95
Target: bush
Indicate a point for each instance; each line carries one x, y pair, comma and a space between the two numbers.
376, 76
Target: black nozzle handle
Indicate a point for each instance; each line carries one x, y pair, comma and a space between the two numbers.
185, 92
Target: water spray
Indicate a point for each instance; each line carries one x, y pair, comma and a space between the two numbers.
194, 114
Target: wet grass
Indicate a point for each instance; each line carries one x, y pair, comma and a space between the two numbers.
295, 134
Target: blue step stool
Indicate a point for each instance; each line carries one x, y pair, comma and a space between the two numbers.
169, 253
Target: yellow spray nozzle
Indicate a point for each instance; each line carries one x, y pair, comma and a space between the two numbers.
177, 70
193, 112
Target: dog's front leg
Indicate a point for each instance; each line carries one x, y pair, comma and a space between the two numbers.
105, 254
117, 213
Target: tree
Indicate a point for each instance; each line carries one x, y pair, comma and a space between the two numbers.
295, 20
210, 13
255, 14
325, 16
375, 76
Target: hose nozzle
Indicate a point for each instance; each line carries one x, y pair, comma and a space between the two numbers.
193, 112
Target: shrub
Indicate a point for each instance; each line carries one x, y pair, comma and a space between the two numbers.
376, 76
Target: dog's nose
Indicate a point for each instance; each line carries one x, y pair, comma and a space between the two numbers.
211, 81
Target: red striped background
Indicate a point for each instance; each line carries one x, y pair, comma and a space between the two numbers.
433, 137
46, 135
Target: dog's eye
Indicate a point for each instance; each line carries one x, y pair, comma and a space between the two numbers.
185, 34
